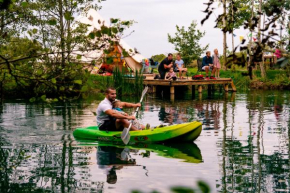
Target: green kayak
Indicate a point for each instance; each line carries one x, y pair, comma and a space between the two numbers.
173, 133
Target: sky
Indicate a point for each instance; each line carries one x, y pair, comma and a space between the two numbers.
156, 18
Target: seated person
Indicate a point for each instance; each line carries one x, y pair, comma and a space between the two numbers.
170, 75
165, 65
118, 107
110, 120
207, 65
180, 66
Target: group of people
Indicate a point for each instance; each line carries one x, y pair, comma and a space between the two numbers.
168, 68
211, 64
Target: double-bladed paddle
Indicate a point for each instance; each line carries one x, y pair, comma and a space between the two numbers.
125, 136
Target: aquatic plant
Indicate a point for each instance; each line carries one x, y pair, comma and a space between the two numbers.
125, 83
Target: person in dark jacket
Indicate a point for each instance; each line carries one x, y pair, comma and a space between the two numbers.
207, 65
165, 65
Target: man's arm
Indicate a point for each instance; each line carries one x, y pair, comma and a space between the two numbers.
203, 62
130, 105
168, 66
118, 115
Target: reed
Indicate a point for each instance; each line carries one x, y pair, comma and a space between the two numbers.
125, 84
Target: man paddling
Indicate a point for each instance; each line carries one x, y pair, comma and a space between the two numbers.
110, 120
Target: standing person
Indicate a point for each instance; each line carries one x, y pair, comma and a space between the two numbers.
180, 65
207, 65
109, 119
165, 65
216, 63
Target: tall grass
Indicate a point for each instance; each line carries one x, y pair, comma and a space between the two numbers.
125, 84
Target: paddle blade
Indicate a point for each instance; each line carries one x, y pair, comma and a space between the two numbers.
144, 91
124, 133
126, 139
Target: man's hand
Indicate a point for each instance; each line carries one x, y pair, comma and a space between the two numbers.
131, 117
138, 105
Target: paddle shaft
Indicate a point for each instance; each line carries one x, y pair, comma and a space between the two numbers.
125, 134
136, 111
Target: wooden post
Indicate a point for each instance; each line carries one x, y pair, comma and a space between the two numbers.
226, 95
154, 89
200, 96
193, 91
172, 97
233, 96
226, 87
199, 88
172, 90
233, 86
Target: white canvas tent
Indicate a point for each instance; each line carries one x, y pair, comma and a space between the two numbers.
94, 20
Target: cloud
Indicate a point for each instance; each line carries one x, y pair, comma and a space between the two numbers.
157, 18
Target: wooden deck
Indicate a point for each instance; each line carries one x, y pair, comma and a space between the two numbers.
226, 82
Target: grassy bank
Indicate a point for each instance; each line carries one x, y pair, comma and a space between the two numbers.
276, 79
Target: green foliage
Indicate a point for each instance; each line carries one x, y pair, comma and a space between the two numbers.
158, 58
41, 65
186, 42
241, 11
125, 84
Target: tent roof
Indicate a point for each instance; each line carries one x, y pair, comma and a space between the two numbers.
95, 20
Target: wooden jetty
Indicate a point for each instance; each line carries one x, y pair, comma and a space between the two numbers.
226, 82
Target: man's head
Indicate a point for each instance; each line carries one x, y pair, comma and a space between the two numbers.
178, 56
208, 53
170, 56
112, 177
110, 94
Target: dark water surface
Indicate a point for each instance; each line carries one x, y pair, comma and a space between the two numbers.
244, 147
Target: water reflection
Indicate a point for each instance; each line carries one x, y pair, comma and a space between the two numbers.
111, 158
244, 146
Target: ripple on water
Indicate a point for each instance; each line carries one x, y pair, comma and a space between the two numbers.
244, 139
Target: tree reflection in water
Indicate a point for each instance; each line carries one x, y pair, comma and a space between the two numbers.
250, 131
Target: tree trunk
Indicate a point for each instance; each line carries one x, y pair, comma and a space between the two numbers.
250, 55
225, 35
68, 30
262, 66
2, 25
62, 40
233, 41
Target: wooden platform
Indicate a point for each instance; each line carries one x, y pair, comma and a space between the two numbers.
189, 82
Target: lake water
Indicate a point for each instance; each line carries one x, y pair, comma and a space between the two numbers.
244, 147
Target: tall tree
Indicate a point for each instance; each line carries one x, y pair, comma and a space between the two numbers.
225, 32
274, 11
38, 63
186, 42
262, 66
